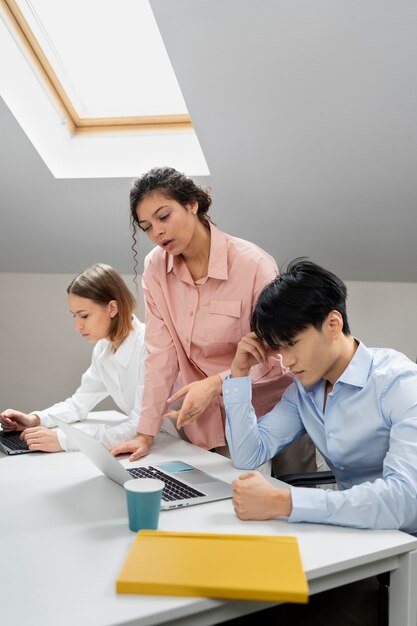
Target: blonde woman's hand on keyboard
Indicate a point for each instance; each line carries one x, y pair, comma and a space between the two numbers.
16, 420
42, 439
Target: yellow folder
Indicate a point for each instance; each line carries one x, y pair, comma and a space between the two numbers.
244, 567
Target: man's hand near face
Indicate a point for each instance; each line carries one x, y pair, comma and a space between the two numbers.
254, 498
250, 351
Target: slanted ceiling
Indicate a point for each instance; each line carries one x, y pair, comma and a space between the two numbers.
305, 111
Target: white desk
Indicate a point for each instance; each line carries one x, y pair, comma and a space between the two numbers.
64, 538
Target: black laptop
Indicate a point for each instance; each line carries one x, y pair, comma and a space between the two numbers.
10, 443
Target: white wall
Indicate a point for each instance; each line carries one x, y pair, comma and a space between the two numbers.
384, 314
42, 357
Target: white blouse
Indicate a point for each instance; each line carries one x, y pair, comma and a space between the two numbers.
117, 374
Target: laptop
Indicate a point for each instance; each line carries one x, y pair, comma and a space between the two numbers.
185, 485
10, 443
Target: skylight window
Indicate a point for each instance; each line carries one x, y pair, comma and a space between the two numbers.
108, 56
77, 68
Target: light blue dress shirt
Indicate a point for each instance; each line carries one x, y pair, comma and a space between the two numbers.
367, 435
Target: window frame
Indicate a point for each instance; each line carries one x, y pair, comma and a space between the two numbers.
79, 125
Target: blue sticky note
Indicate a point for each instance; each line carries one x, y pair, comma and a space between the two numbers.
175, 466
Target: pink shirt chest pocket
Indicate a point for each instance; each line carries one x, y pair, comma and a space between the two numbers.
224, 323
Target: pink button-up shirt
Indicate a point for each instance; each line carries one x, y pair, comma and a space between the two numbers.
193, 328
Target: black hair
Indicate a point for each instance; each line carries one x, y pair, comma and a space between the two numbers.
302, 296
172, 184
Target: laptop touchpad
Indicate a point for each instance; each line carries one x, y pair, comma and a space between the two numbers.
186, 472
196, 477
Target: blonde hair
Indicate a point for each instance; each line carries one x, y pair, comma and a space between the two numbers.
101, 284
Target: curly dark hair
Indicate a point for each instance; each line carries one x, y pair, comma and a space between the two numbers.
172, 184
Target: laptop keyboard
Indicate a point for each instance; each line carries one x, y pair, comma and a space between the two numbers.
12, 440
173, 490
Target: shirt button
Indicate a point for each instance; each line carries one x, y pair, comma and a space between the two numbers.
226, 391
235, 389
191, 313
331, 434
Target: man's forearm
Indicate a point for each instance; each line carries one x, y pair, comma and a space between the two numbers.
241, 425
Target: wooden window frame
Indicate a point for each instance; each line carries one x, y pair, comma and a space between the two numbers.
78, 125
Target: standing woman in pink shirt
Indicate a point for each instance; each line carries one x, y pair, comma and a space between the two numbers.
200, 287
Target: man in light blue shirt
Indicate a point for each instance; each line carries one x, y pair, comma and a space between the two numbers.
358, 404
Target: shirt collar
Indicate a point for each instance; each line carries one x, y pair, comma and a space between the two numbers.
357, 372
217, 267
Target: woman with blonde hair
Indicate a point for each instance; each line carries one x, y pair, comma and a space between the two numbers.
103, 310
